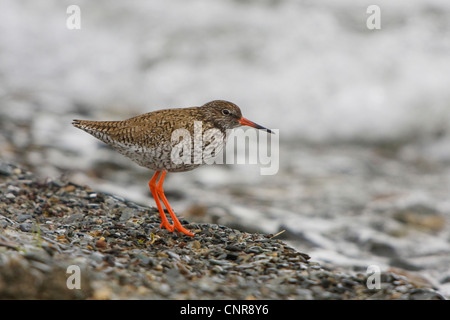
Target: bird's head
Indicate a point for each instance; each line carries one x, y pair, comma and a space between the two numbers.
227, 115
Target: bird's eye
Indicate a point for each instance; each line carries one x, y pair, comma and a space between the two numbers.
225, 112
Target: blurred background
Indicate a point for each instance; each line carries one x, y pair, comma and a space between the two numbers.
363, 115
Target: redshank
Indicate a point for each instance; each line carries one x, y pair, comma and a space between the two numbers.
148, 139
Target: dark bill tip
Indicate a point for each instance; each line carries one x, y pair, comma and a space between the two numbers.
246, 122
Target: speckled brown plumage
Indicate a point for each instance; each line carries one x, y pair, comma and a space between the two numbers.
147, 138
151, 140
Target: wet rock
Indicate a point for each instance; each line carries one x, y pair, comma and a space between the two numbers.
381, 248
404, 264
26, 226
6, 169
127, 213
422, 217
425, 294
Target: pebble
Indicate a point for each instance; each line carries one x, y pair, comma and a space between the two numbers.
22, 217
101, 243
26, 226
6, 169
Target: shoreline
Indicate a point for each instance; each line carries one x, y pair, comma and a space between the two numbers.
121, 253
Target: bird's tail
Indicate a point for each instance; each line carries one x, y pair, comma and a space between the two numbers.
99, 129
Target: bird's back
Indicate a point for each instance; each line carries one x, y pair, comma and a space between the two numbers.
146, 139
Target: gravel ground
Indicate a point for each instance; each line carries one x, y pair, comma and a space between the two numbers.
47, 226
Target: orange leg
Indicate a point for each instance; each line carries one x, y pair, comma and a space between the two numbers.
152, 185
158, 192
176, 222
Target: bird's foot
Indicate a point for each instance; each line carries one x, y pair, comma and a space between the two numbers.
168, 226
182, 229
178, 227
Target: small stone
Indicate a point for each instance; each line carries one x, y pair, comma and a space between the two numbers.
26, 226
101, 243
232, 247
97, 257
69, 188
195, 244
43, 267
254, 249
126, 214
103, 293
13, 189
162, 254
173, 255
217, 269
304, 294
425, 294
220, 262
422, 217
164, 289
22, 217
381, 248
6, 169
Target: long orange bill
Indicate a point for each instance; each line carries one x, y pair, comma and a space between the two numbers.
249, 123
